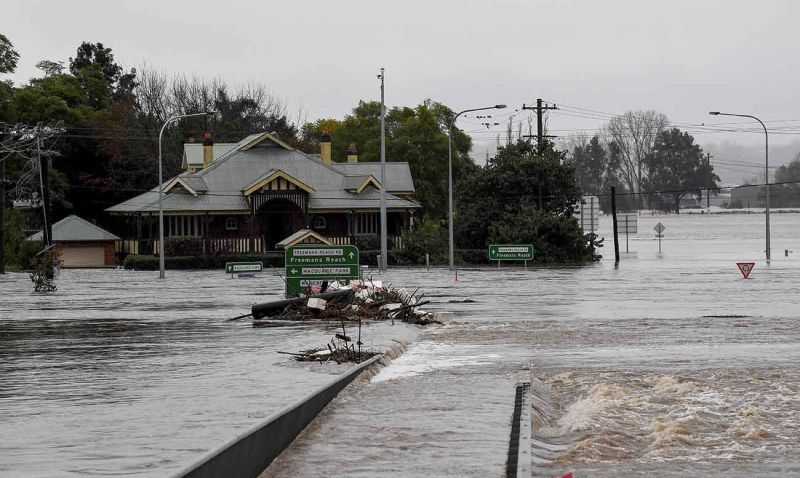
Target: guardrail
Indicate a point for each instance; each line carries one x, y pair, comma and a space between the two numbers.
249, 454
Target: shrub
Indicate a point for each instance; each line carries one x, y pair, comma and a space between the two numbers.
555, 238
150, 263
429, 237
367, 243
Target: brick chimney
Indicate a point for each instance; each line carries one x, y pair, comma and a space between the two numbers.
325, 146
352, 153
208, 150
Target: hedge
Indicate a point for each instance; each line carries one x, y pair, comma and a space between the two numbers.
150, 263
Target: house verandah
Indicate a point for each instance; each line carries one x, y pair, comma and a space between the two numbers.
223, 234
258, 193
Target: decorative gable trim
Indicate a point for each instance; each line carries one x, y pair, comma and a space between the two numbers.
369, 180
277, 181
177, 181
265, 137
303, 236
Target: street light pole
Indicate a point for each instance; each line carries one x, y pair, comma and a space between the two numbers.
384, 247
766, 168
161, 189
450, 176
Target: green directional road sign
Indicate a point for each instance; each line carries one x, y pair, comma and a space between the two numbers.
511, 252
237, 267
309, 266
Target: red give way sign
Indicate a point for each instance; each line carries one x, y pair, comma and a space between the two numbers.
745, 268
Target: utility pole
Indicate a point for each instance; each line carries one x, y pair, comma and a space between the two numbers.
384, 248
540, 108
2, 215
44, 171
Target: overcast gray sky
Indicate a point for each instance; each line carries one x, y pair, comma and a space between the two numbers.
682, 58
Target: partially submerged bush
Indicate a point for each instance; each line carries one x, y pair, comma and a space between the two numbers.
44, 267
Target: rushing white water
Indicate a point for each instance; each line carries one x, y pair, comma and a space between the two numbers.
670, 365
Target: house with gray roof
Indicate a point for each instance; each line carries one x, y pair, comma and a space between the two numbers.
248, 196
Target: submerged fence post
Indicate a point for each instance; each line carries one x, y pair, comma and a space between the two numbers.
427, 262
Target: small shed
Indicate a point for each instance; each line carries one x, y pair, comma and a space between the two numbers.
81, 243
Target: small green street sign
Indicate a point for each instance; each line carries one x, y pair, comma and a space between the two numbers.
238, 267
309, 266
511, 252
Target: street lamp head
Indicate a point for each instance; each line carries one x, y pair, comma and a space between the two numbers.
499, 107
714, 113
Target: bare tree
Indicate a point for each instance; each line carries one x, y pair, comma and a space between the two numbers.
634, 134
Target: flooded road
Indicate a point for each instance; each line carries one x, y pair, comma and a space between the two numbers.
120, 374
667, 366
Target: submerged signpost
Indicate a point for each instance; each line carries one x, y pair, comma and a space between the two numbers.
243, 267
629, 224
587, 212
511, 252
745, 268
660, 228
307, 267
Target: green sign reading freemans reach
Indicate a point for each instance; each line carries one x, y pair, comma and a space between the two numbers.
307, 267
511, 252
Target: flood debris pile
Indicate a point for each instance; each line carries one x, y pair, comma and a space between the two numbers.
354, 302
341, 349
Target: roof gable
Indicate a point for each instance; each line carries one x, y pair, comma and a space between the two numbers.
358, 184
303, 236
184, 183
74, 228
398, 174
255, 139
276, 181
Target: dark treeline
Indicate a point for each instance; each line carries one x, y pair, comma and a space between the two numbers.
651, 165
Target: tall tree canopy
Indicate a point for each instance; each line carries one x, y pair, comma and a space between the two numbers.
591, 164
8, 55
522, 196
676, 167
112, 117
635, 133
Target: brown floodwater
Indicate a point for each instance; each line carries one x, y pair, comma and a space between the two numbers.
670, 365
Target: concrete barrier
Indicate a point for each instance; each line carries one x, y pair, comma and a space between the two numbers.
249, 454
518, 463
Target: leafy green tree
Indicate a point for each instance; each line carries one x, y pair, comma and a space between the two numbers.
8, 55
50, 68
522, 196
590, 162
676, 167
94, 65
